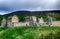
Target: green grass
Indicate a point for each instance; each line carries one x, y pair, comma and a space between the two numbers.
45, 32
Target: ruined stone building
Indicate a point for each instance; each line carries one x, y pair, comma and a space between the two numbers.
13, 21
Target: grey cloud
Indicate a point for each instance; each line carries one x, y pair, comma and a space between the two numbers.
15, 5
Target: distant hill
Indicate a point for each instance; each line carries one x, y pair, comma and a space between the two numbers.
32, 12
21, 14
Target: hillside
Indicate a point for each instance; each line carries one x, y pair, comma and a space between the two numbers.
43, 32
22, 14
32, 12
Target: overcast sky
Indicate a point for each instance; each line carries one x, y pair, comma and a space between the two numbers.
30, 5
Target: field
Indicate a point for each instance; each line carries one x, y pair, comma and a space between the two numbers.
42, 32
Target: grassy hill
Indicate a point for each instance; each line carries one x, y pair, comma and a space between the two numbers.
43, 32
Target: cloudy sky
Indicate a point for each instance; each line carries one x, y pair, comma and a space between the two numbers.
7, 6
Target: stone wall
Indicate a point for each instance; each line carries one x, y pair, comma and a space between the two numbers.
15, 19
3, 23
21, 24
30, 21
56, 23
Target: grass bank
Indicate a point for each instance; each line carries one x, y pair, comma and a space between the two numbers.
43, 32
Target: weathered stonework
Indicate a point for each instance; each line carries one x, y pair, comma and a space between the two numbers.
41, 21
13, 21
49, 20
3, 23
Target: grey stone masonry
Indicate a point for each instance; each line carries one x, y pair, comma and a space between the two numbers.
49, 20
3, 23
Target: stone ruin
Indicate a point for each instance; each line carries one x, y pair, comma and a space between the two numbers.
49, 21
3, 23
13, 21
41, 21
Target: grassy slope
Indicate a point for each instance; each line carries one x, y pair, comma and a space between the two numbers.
28, 32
